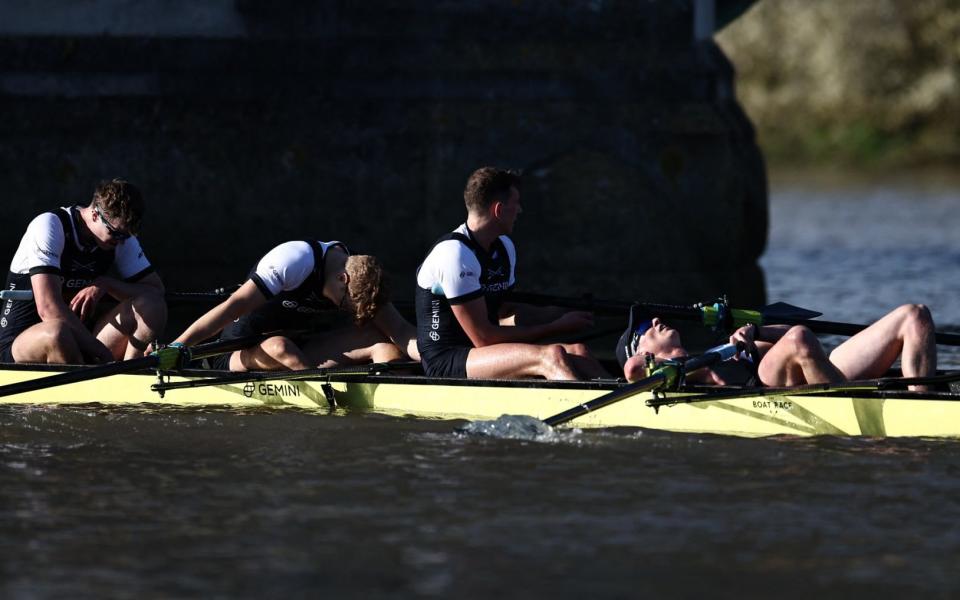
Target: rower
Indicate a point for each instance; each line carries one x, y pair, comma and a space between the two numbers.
61, 271
292, 284
792, 355
466, 325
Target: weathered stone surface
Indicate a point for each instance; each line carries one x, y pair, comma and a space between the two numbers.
868, 82
361, 121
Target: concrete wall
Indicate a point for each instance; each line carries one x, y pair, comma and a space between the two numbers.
249, 123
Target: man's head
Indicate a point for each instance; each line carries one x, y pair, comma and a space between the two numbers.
119, 205
365, 289
647, 335
494, 194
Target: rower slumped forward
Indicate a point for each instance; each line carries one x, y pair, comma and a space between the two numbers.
792, 355
466, 325
286, 290
70, 258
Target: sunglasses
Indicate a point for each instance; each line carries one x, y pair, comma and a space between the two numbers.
115, 233
642, 328
346, 293
638, 331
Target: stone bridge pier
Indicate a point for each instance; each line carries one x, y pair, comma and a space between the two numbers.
250, 123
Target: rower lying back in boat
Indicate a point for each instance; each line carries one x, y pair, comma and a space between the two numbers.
789, 356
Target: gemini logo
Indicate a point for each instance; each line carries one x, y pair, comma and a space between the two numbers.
270, 389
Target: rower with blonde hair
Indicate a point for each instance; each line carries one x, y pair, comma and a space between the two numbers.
292, 284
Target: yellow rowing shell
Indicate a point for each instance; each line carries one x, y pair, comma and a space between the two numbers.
869, 413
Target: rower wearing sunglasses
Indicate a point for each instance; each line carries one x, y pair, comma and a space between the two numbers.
784, 355
69, 259
287, 290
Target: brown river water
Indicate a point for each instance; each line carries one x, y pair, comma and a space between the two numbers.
136, 503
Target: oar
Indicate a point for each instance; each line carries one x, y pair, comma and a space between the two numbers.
807, 389
217, 295
665, 376
717, 315
257, 376
125, 366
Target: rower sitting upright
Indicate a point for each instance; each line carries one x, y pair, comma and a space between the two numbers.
287, 288
792, 355
64, 258
465, 325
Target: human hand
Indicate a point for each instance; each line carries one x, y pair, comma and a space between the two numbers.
744, 338
172, 357
85, 302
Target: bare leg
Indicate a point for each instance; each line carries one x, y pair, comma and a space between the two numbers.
351, 345
507, 361
584, 363
797, 358
272, 354
399, 331
50, 342
129, 328
908, 329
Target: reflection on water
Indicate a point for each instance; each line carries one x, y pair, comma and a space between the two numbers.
128, 502
855, 252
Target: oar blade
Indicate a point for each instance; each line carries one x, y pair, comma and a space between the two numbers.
781, 310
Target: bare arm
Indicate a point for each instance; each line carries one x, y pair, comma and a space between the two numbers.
472, 317
242, 302
121, 290
50, 306
517, 313
85, 301
762, 337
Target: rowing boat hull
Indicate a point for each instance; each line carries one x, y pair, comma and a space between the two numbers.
863, 413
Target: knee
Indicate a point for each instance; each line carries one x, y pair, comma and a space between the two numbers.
801, 342
278, 346
577, 349
385, 352
916, 319
150, 309
554, 354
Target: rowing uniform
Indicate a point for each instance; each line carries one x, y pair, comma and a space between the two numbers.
52, 244
291, 278
457, 270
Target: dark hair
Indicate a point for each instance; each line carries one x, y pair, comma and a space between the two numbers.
487, 185
120, 200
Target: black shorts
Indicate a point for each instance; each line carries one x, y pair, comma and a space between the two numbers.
451, 362
220, 362
6, 351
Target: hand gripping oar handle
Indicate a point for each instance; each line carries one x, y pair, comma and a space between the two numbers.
123, 366
665, 376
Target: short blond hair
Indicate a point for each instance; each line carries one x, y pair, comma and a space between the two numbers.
367, 287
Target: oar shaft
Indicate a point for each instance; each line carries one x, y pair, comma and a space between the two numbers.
79, 375
122, 366
835, 328
260, 376
644, 385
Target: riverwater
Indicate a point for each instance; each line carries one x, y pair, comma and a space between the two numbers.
135, 503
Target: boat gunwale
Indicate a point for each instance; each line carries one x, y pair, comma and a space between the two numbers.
598, 384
